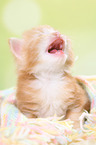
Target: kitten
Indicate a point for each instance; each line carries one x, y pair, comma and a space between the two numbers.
45, 86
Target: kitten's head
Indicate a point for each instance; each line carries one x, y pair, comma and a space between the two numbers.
42, 49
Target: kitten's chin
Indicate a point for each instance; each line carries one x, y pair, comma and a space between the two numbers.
50, 64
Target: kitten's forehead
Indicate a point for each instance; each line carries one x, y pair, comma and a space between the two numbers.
44, 30
39, 32
48, 30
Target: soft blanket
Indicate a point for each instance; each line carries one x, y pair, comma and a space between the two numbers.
16, 129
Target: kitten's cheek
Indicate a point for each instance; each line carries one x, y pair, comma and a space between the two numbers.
65, 57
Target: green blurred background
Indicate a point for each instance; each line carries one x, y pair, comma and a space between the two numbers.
75, 18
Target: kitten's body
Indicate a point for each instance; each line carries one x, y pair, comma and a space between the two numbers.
45, 86
49, 95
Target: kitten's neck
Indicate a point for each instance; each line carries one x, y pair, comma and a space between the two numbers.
49, 75
23, 75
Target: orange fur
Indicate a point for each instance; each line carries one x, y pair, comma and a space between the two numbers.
45, 89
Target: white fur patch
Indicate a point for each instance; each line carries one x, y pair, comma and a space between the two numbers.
51, 88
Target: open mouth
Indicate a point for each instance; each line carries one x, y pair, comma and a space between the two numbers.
56, 47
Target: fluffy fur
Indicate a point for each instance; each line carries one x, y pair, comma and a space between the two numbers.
45, 86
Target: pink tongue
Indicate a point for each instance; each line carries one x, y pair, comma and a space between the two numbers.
53, 51
60, 52
57, 51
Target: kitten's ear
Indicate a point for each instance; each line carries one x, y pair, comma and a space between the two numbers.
16, 46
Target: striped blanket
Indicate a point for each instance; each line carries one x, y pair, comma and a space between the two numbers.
16, 129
